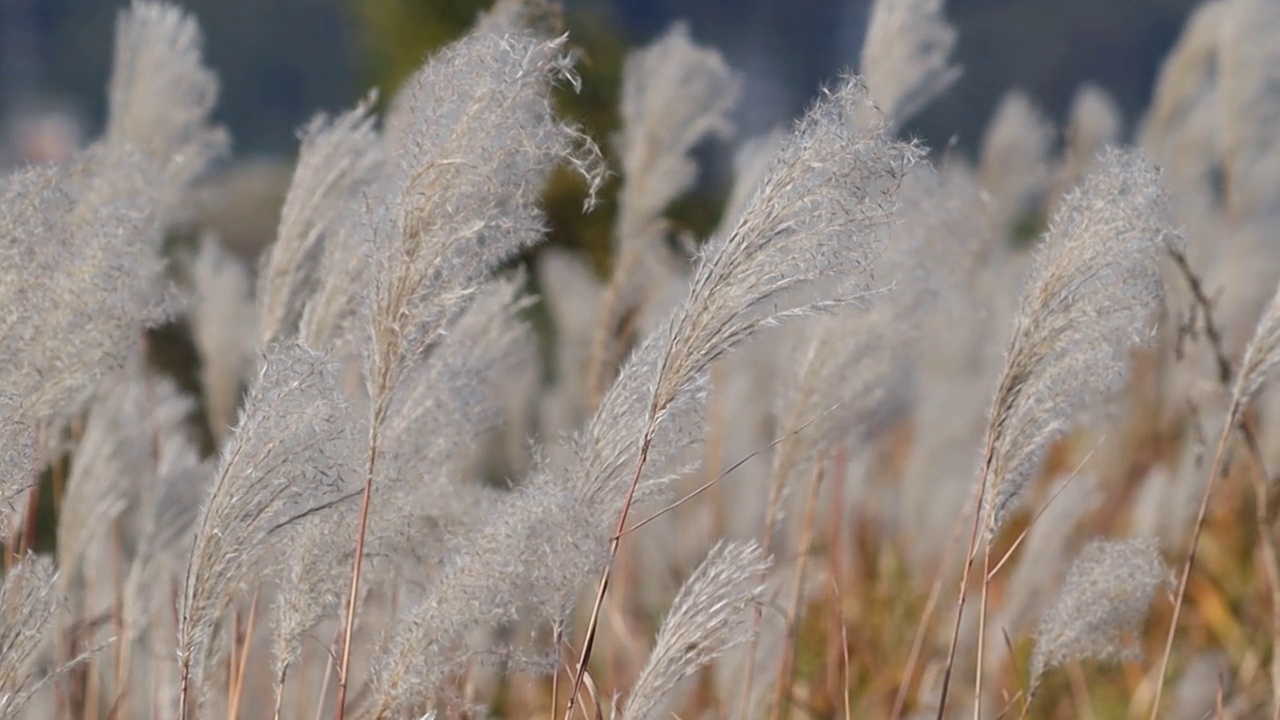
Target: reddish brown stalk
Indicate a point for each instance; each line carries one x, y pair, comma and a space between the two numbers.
361, 530
184, 687
233, 655
970, 554
237, 692
594, 623
557, 639
835, 522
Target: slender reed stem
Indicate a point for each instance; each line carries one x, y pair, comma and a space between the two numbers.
275, 714
970, 554
353, 596
233, 708
594, 623
982, 629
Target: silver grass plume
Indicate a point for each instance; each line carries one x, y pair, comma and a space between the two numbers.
1185, 77
675, 95
75, 244
852, 368
222, 325
28, 602
136, 448
114, 463
168, 512
804, 246
1094, 123
1013, 166
1048, 543
570, 290
428, 436
284, 460
1165, 505
708, 617
1249, 106
965, 329
1261, 356
1093, 290
474, 142
751, 161
525, 562
1107, 593
445, 404
850, 372
338, 158
819, 214
311, 585
330, 318
906, 56
478, 139
1182, 127
161, 96
17, 464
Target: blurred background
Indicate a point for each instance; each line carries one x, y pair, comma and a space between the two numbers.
280, 61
